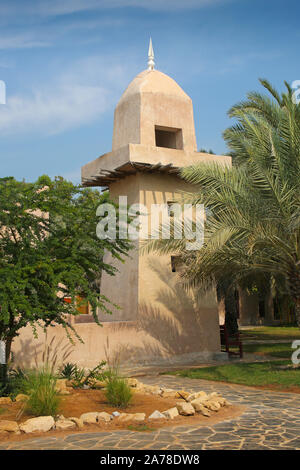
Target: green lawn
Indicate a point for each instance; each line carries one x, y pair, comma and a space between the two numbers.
272, 332
253, 374
280, 350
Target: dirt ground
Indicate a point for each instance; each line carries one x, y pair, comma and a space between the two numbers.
83, 401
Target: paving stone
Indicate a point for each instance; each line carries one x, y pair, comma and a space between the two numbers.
271, 422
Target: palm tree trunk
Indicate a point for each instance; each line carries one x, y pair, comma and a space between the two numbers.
297, 311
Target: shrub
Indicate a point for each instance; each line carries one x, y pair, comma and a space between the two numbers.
43, 399
67, 370
11, 381
82, 378
118, 393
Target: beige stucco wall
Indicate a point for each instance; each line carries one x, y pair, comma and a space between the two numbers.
158, 321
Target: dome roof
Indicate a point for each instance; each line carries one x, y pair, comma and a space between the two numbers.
153, 81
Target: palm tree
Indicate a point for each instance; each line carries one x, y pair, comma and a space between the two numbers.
253, 226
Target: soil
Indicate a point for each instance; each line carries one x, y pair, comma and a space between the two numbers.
83, 401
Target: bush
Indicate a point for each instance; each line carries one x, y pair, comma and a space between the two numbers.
118, 393
11, 381
82, 378
67, 370
43, 399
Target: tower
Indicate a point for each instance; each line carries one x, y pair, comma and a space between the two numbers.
153, 137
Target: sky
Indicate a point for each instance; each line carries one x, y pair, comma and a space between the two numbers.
66, 63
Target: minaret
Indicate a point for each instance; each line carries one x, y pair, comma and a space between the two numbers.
153, 137
151, 62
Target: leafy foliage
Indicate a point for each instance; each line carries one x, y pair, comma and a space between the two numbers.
252, 231
117, 392
48, 251
81, 378
67, 371
43, 399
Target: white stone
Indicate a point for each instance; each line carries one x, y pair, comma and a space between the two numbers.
9, 426
116, 414
90, 418
139, 417
125, 416
132, 382
103, 416
77, 421
41, 424
195, 395
171, 413
63, 424
212, 405
157, 415
185, 409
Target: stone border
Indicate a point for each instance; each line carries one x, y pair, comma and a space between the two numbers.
189, 405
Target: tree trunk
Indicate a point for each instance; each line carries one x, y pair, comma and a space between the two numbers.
297, 311
8, 344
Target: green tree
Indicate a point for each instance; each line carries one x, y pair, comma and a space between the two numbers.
48, 251
253, 226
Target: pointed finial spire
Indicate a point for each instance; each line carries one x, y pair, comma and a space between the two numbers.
151, 62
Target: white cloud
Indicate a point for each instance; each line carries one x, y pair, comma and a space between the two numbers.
84, 91
64, 7
21, 41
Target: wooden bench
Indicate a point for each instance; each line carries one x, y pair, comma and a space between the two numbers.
228, 341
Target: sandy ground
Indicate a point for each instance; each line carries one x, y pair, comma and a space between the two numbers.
82, 401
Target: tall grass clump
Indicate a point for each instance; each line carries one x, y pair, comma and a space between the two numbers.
117, 392
43, 398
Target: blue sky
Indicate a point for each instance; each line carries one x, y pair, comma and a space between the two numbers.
66, 63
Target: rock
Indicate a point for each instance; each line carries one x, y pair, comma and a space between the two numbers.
183, 394
171, 413
152, 389
61, 384
61, 387
132, 382
198, 404
199, 400
211, 405
116, 414
157, 415
220, 400
90, 418
77, 421
5, 401
21, 397
125, 417
139, 417
103, 416
99, 383
195, 395
204, 411
185, 409
41, 424
168, 393
63, 424
9, 426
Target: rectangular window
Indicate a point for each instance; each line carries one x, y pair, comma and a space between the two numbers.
81, 304
168, 137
